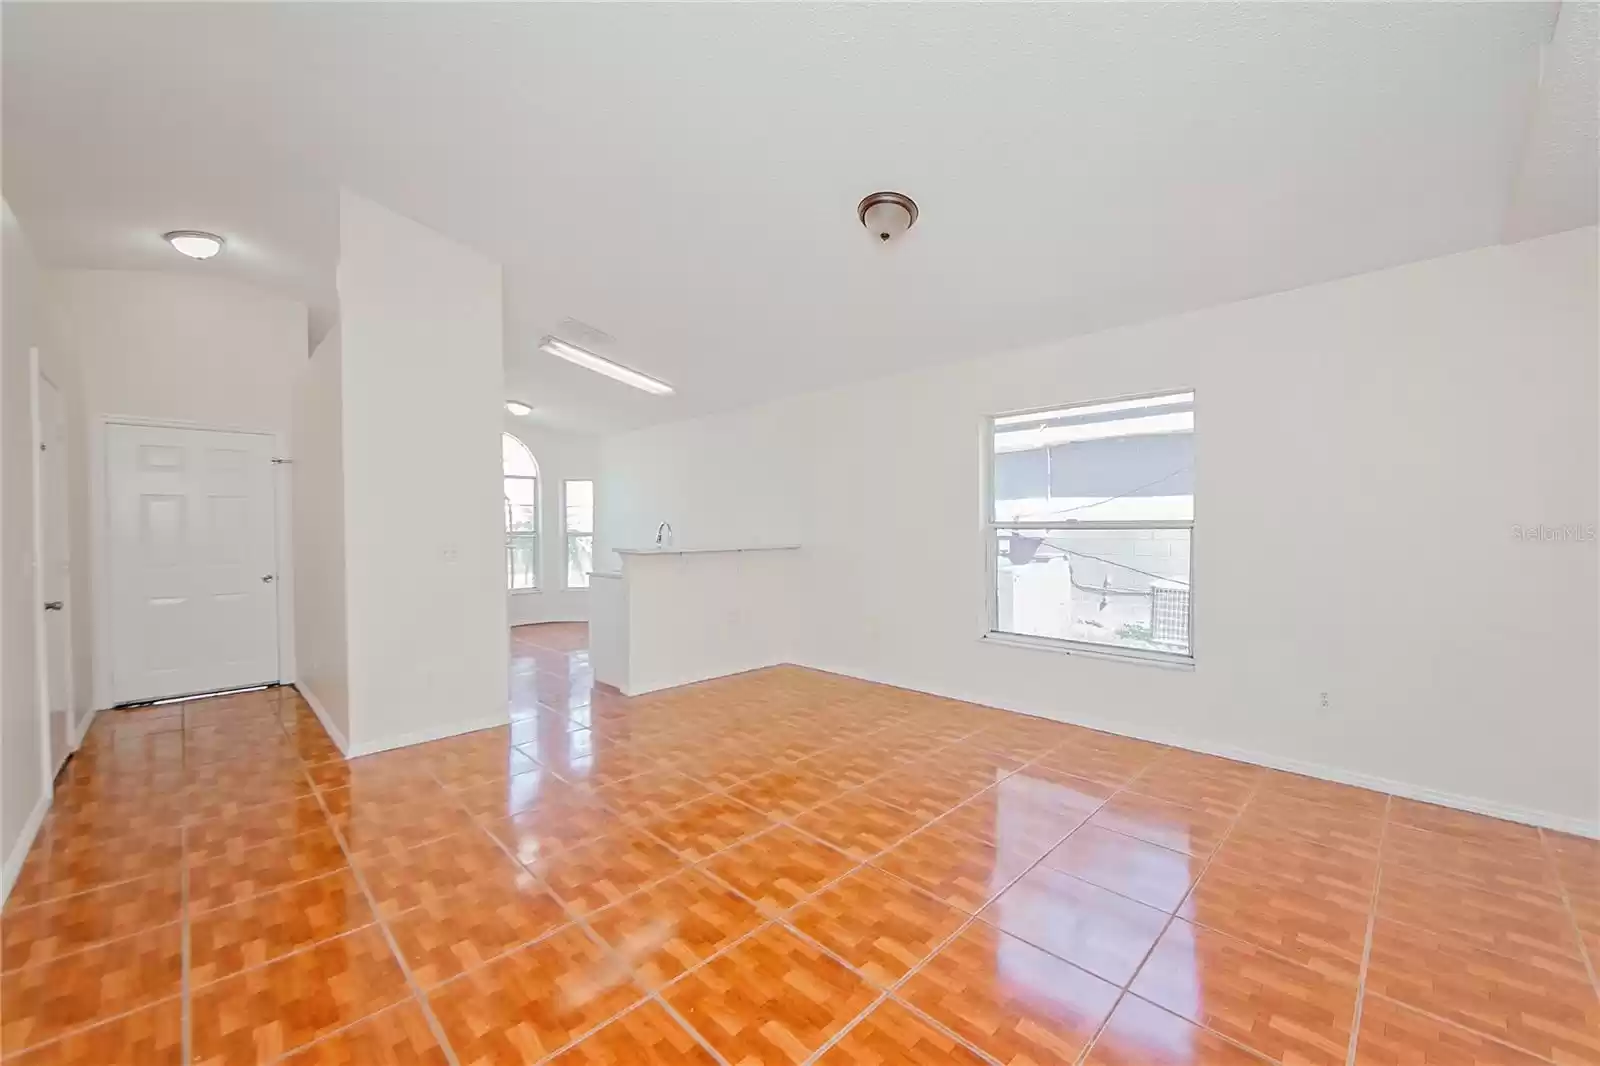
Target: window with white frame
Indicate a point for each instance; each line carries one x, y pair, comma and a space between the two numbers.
522, 514
1091, 525
579, 512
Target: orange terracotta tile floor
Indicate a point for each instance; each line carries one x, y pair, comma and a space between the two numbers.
779, 867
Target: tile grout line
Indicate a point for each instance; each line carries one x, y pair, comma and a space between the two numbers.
338, 1031
79, 1030
1450, 1024
925, 825
906, 978
184, 984
1172, 916
1553, 864
700, 866
889, 992
885, 993
578, 920
1274, 953
187, 983
75, 952
1366, 946
317, 790
383, 928
316, 793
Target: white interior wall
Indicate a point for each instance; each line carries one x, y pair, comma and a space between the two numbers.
732, 479
177, 348
1364, 450
24, 788
181, 347
319, 544
24, 783
423, 391
561, 457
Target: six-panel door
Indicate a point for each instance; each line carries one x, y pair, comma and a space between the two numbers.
193, 561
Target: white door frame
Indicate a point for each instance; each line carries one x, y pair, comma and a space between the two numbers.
41, 652
100, 543
42, 643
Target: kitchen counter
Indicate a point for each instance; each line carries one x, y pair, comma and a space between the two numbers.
671, 616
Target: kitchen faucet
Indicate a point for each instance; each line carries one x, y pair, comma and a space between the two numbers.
664, 535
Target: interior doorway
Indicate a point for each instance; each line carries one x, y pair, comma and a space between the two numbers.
193, 561
53, 550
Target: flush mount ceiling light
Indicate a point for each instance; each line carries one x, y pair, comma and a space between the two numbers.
887, 214
601, 365
518, 408
194, 243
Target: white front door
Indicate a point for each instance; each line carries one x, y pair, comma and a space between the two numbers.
55, 571
193, 561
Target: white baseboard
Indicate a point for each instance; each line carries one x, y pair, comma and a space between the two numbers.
1404, 789
19, 850
321, 712
658, 684
405, 740
423, 736
560, 617
83, 730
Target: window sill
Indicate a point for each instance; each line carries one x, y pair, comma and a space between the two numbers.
525, 592
1062, 647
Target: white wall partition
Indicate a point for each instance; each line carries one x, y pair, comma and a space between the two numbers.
1368, 451
24, 783
317, 442
422, 393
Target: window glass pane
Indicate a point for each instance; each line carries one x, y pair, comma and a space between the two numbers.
1104, 462
515, 459
522, 504
522, 554
580, 560
580, 506
1127, 588
1021, 475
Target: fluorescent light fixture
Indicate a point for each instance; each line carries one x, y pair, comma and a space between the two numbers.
601, 365
196, 244
518, 408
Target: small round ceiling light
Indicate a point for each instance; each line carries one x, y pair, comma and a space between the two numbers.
518, 408
887, 214
196, 244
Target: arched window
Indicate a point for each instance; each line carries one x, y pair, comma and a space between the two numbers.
522, 513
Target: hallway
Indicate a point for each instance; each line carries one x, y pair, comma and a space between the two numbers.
777, 867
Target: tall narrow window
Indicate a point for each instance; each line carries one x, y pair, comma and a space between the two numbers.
1091, 518
522, 513
579, 497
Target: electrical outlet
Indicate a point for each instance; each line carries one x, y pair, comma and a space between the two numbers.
1322, 701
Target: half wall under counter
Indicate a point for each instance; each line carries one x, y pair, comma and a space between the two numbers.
671, 616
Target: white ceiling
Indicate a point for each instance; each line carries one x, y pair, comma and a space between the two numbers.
685, 177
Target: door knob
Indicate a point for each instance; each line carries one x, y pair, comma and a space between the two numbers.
53, 605
267, 578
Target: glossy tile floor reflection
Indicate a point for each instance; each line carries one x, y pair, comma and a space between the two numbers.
780, 867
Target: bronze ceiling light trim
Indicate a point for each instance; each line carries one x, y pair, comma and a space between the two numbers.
887, 214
